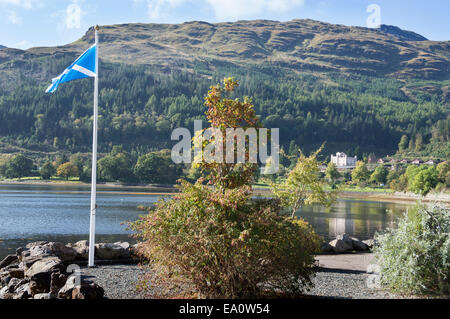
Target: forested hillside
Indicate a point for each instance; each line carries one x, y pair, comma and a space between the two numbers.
357, 89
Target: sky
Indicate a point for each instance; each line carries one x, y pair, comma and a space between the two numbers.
31, 23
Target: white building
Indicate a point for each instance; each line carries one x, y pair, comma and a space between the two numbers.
342, 160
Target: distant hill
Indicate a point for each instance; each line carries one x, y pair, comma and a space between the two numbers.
299, 45
401, 34
2, 46
358, 86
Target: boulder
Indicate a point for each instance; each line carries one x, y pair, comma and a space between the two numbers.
4, 278
59, 250
111, 251
13, 284
40, 274
123, 244
28, 261
35, 243
8, 260
12, 266
88, 291
16, 273
326, 248
370, 243
42, 296
81, 249
45, 265
5, 293
66, 291
359, 245
342, 243
22, 292
39, 284
57, 281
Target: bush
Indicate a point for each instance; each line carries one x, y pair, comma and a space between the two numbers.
18, 166
225, 244
415, 257
47, 170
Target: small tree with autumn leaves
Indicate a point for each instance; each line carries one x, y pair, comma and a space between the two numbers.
67, 170
215, 240
225, 113
303, 186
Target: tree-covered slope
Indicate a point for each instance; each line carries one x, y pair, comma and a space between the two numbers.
358, 89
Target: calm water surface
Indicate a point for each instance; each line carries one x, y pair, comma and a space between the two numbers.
61, 213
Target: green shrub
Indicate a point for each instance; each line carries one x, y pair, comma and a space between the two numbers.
225, 244
216, 239
414, 258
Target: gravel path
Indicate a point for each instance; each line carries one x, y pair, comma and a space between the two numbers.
335, 283
120, 281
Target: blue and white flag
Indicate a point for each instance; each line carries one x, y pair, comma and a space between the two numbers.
83, 67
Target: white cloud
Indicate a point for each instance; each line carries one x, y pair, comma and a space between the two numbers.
14, 18
224, 9
158, 8
73, 16
27, 4
238, 9
22, 45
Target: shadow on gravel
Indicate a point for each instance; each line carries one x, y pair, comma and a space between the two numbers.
340, 271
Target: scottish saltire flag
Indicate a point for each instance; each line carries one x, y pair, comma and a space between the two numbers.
83, 67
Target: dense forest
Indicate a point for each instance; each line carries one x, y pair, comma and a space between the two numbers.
141, 105
359, 90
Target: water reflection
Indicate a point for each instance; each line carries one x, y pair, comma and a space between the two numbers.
358, 218
61, 213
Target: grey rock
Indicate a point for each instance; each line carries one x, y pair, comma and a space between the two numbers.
28, 261
326, 248
57, 281
4, 278
66, 291
36, 243
5, 293
342, 243
88, 291
59, 250
81, 249
12, 284
111, 251
12, 266
22, 292
340, 246
45, 265
345, 238
123, 244
8, 260
42, 296
40, 274
371, 243
359, 245
16, 273
39, 284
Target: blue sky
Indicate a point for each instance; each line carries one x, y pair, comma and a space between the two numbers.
28, 23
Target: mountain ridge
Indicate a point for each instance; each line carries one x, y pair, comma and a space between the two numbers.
301, 45
358, 89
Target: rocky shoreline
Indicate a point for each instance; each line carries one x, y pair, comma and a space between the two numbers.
345, 243
50, 270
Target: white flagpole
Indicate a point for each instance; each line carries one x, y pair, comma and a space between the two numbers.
94, 161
